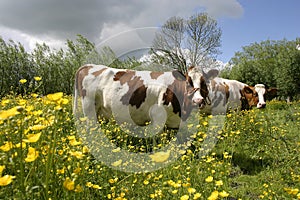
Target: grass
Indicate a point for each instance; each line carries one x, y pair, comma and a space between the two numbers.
256, 156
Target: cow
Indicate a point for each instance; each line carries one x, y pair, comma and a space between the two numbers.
224, 94
137, 97
264, 94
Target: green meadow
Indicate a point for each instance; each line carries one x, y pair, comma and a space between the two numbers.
256, 156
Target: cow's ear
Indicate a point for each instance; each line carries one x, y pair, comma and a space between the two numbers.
247, 90
272, 91
213, 73
178, 75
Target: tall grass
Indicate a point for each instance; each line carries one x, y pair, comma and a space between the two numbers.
42, 157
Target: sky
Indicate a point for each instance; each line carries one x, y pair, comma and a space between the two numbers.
132, 22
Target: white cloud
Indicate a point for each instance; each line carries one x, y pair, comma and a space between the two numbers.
55, 20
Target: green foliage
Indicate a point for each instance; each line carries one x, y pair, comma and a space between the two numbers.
273, 63
56, 67
16, 64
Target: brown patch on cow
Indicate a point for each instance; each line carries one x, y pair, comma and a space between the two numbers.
124, 76
155, 75
99, 72
213, 84
204, 89
136, 93
174, 95
177, 95
249, 97
227, 91
80, 75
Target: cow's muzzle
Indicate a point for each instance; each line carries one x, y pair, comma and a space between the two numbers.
261, 105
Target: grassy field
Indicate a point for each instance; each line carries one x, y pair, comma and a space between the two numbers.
256, 156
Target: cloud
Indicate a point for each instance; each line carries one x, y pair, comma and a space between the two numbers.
98, 19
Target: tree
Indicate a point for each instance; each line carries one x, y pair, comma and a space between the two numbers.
273, 63
182, 42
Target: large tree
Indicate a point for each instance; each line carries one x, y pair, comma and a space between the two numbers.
182, 42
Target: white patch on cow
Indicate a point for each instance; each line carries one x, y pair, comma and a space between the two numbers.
218, 98
234, 100
261, 90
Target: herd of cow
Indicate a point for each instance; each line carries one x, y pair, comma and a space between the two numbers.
140, 97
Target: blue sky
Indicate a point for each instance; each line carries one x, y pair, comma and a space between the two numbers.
262, 20
54, 21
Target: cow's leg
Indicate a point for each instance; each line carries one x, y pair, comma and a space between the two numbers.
158, 115
89, 109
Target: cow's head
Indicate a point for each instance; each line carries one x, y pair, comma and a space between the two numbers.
249, 97
198, 80
264, 94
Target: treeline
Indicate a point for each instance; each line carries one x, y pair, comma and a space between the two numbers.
273, 63
56, 68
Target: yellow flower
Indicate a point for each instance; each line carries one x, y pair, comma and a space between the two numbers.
4, 102
113, 180
6, 146
213, 196
77, 154
184, 197
117, 163
160, 156
197, 195
146, 182
37, 78
32, 155
219, 183
23, 144
73, 141
6, 180
78, 188
96, 187
5, 114
37, 127
205, 123
292, 191
174, 191
64, 101
191, 190
223, 194
32, 137
69, 184
22, 81
209, 179
55, 97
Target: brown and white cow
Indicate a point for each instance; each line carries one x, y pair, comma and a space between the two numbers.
225, 94
137, 97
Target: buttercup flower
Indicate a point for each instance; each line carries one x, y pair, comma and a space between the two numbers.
209, 179
6, 180
37, 78
69, 184
213, 196
32, 155
32, 137
22, 81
